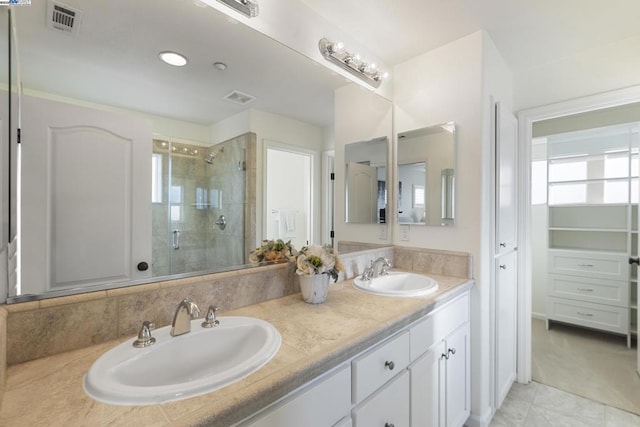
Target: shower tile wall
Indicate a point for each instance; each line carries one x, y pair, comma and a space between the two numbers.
202, 192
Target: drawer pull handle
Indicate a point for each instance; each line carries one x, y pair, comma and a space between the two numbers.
585, 289
503, 267
389, 365
444, 356
585, 265
585, 314
451, 351
503, 244
389, 425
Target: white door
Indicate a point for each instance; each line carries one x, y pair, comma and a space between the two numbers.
362, 193
288, 195
506, 188
506, 330
505, 265
86, 185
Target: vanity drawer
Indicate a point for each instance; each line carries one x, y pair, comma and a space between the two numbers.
611, 292
438, 325
594, 265
389, 406
376, 367
598, 316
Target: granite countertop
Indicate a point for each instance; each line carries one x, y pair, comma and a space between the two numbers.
315, 338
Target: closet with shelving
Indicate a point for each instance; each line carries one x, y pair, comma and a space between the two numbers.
592, 203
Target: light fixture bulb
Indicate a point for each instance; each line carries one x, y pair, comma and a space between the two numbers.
337, 47
173, 58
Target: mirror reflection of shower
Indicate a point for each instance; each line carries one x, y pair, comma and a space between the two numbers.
212, 155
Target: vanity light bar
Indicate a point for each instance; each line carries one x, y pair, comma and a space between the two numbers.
248, 8
336, 53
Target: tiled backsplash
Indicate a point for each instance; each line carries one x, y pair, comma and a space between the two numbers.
50, 326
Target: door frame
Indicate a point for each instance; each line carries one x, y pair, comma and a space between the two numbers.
526, 118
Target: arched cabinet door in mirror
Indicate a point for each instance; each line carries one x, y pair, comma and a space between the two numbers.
366, 181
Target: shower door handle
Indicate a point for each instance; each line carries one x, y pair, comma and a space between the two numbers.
176, 239
221, 222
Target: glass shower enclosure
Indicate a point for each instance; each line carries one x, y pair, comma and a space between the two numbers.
201, 205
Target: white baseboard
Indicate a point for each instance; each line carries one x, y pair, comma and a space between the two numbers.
539, 316
483, 420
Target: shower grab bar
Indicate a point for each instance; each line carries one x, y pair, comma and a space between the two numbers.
176, 239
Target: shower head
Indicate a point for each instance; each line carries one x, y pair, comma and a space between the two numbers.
211, 157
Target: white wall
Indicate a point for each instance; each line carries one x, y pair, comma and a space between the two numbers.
614, 66
458, 82
444, 85
539, 250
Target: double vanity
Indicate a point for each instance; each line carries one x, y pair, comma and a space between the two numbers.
345, 362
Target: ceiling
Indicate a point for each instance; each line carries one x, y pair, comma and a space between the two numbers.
113, 60
527, 33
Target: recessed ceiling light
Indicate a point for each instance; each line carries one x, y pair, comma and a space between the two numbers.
173, 58
220, 66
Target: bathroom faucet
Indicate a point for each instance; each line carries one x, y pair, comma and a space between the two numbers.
182, 319
377, 268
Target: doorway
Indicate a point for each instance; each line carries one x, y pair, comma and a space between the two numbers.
288, 213
567, 232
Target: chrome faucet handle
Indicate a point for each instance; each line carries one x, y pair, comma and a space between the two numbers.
368, 271
384, 269
210, 319
144, 336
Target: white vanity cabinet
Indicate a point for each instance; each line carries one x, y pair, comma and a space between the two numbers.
324, 402
440, 392
418, 377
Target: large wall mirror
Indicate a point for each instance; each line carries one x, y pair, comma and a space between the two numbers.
133, 169
366, 181
426, 175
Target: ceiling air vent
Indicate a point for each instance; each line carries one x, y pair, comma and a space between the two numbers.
239, 97
63, 18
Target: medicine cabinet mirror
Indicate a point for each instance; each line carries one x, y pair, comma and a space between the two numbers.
426, 175
366, 181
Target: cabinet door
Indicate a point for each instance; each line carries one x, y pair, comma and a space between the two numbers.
457, 377
389, 406
506, 134
506, 321
427, 387
322, 405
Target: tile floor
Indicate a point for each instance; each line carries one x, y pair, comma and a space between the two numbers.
570, 362
539, 405
587, 363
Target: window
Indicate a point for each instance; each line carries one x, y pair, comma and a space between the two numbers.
418, 196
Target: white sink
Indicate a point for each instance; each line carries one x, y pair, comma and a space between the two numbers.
179, 367
398, 284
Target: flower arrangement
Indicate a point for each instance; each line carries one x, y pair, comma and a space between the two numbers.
273, 251
317, 259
